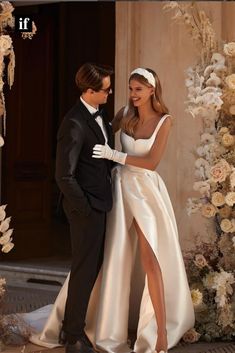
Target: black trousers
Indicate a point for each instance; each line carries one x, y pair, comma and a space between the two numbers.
87, 240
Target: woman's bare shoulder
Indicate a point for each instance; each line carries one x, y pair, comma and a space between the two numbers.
170, 117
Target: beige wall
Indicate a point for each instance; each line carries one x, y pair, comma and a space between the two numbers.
147, 37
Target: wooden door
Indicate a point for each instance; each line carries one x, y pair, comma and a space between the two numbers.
68, 35
26, 168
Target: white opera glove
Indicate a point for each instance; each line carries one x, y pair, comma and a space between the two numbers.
104, 151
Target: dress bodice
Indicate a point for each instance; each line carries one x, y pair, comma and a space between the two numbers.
139, 147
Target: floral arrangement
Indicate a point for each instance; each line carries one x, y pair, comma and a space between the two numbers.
13, 330
5, 232
6, 246
211, 98
6, 52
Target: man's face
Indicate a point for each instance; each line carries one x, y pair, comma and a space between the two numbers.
101, 96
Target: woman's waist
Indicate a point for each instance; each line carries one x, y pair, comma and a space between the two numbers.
125, 169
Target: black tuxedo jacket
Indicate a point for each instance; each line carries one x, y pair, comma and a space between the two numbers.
84, 181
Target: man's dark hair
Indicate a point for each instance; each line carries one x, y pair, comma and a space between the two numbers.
90, 75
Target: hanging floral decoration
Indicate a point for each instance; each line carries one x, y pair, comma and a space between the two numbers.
12, 330
211, 98
6, 54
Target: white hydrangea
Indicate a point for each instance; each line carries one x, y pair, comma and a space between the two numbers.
202, 186
207, 138
193, 206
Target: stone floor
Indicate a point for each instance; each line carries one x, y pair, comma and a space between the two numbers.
192, 348
31, 285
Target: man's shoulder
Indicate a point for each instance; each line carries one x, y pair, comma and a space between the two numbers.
75, 111
76, 114
73, 119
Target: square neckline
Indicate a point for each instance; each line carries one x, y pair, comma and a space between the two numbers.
151, 134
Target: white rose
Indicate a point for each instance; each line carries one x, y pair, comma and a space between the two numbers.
5, 43
217, 174
208, 210
228, 140
229, 49
217, 199
7, 247
230, 81
220, 171
200, 261
230, 198
226, 226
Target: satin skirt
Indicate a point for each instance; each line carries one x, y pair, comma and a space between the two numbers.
139, 194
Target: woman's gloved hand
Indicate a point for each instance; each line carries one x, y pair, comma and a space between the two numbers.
104, 151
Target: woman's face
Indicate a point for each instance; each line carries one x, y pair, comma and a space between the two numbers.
140, 94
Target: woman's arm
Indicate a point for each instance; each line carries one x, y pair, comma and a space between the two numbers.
117, 119
149, 161
152, 159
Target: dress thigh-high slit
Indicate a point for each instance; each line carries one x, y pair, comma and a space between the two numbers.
153, 272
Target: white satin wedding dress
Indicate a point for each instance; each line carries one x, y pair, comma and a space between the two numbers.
140, 194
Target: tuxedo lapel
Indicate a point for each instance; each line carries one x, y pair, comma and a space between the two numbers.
93, 125
96, 129
109, 130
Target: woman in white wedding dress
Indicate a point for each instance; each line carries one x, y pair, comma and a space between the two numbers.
142, 205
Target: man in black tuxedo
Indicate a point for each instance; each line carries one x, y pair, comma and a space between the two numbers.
85, 183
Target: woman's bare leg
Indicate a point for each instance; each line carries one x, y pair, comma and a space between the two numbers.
155, 286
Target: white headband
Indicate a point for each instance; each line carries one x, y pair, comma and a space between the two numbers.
148, 75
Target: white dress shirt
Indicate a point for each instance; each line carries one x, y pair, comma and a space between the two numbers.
98, 119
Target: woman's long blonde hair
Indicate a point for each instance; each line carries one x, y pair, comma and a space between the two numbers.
131, 116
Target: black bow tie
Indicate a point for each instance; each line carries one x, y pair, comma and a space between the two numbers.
98, 113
